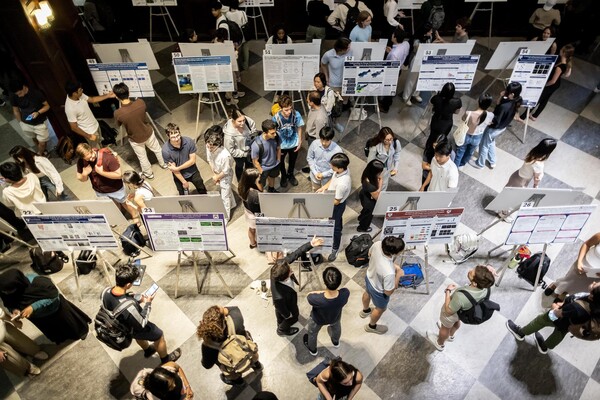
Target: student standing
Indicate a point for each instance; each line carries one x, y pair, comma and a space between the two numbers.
266, 155
460, 32
533, 166
319, 158
221, 163
363, 30
386, 148
236, 140
30, 107
327, 94
339, 380
80, 117
445, 105
179, 152
317, 116
248, 189
50, 179
167, 381
341, 185
23, 190
399, 51
140, 191
477, 121
371, 187
443, 176
390, 10
290, 129
317, 20
332, 64
279, 36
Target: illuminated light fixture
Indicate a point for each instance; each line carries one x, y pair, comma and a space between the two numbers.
41, 18
47, 10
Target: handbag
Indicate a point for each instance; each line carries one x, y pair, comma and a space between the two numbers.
460, 133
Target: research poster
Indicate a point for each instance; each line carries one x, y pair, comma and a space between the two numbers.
203, 74
135, 75
437, 70
258, 3
71, 232
541, 225
186, 231
532, 72
370, 78
419, 227
287, 234
154, 2
289, 72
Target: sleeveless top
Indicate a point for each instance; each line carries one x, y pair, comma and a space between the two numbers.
592, 258
341, 390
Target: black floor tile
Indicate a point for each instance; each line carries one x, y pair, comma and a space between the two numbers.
584, 134
571, 96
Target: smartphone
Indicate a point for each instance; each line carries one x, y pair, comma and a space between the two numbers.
151, 290
142, 269
552, 316
29, 117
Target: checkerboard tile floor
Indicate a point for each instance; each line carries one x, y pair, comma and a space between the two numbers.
483, 362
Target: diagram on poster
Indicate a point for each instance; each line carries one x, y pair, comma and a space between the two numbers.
186, 231
437, 70
287, 234
258, 3
370, 78
154, 2
422, 226
203, 74
532, 72
289, 72
542, 225
71, 232
135, 75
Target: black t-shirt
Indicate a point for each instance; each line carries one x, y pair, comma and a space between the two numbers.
318, 13
572, 314
368, 188
443, 110
33, 101
251, 203
327, 311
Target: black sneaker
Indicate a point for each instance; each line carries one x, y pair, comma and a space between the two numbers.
174, 355
149, 352
236, 382
293, 180
333, 255
257, 366
306, 170
549, 291
283, 182
359, 229
541, 343
272, 190
515, 330
292, 331
313, 353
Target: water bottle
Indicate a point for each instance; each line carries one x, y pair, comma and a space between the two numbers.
263, 286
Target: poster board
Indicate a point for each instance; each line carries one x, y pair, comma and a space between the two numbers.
299, 49
137, 52
289, 72
557, 2
541, 225
71, 232
419, 227
186, 231
135, 75
287, 234
370, 78
424, 200
374, 51
199, 203
410, 4
257, 3
104, 207
151, 3
279, 205
210, 49
437, 70
532, 72
507, 52
203, 74
440, 49
511, 198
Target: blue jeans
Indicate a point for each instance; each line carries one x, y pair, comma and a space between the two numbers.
338, 214
465, 152
487, 146
49, 187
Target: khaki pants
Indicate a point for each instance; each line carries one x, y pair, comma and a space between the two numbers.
140, 152
17, 343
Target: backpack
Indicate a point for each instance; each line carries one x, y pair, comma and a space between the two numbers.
134, 234
235, 32
480, 312
236, 352
351, 17
109, 330
109, 134
527, 269
66, 147
338, 106
357, 252
589, 330
413, 276
86, 262
47, 262
437, 16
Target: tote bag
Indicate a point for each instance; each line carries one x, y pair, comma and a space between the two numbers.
461, 131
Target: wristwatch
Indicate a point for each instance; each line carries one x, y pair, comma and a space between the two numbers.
447, 290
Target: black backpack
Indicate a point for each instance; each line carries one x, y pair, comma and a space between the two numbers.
66, 147
86, 262
527, 269
357, 252
351, 17
480, 312
109, 330
134, 234
235, 32
47, 262
109, 134
437, 16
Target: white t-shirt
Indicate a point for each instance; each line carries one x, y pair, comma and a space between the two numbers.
220, 161
145, 191
530, 168
23, 197
443, 177
381, 272
79, 111
341, 185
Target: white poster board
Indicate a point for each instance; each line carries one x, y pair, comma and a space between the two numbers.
299, 49
544, 1
135, 75
203, 74
136, 52
186, 231
104, 207
423, 200
410, 4
289, 72
511, 198
437, 70
279, 205
71, 232
440, 49
368, 50
210, 49
532, 72
506, 53
541, 225
287, 234
418, 227
200, 203
370, 78
257, 3
154, 2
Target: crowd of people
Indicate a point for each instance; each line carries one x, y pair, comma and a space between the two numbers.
253, 156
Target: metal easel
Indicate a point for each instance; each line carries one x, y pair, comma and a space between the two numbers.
428, 108
491, 10
99, 260
162, 12
214, 102
360, 104
254, 16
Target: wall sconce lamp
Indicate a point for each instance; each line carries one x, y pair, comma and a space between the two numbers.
43, 15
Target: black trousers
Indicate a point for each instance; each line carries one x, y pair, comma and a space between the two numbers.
366, 214
291, 162
241, 163
195, 179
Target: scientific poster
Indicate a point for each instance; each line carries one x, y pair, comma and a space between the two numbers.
258, 3
436, 71
287, 234
422, 226
532, 72
289, 72
203, 74
370, 78
135, 75
154, 2
186, 231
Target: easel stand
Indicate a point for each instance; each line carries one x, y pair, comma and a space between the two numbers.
256, 14
498, 77
99, 260
423, 116
214, 102
526, 124
298, 207
491, 10
360, 104
163, 12
14, 239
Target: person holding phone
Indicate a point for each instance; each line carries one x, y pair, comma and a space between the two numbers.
137, 315
30, 108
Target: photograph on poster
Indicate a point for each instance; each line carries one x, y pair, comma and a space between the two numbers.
135, 75
422, 226
203, 74
287, 234
186, 231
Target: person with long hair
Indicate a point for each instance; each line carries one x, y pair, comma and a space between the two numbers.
165, 382
547, 33
140, 191
363, 30
279, 36
445, 105
248, 189
506, 110
327, 93
477, 121
237, 133
371, 184
339, 380
385, 147
561, 69
533, 166
50, 179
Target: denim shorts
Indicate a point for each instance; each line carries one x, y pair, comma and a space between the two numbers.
380, 300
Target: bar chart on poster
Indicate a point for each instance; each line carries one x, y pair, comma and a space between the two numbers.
135, 75
186, 231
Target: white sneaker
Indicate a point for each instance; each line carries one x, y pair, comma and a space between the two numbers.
205, 99
433, 338
231, 102
237, 95
40, 355
418, 99
408, 102
450, 338
33, 370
